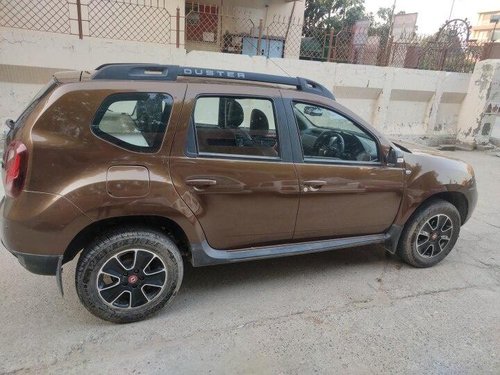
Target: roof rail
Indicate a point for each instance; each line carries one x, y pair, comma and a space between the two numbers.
124, 71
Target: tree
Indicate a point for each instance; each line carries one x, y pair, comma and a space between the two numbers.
336, 14
381, 22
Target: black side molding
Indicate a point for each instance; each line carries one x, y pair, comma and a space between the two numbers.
204, 255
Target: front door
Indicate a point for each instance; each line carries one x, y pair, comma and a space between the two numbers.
235, 173
345, 188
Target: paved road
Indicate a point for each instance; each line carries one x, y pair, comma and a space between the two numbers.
355, 311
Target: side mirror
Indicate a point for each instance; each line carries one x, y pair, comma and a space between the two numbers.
313, 111
395, 157
9, 123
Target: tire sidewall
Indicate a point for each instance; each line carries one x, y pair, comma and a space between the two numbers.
91, 262
409, 250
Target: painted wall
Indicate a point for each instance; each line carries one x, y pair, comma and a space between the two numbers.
400, 102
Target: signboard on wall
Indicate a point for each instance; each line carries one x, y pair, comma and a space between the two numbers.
360, 31
404, 24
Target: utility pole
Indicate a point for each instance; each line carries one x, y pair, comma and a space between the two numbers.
392, 18
389, 37
451, 9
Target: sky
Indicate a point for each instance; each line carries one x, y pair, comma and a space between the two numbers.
433, 13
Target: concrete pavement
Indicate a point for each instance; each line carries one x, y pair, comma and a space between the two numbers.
354, 311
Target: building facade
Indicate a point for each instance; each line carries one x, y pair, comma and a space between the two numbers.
270, 28
486, 28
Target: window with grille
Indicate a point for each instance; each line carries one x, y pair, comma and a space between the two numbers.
202, 22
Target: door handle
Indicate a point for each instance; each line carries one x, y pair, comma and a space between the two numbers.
200, 184
313, 185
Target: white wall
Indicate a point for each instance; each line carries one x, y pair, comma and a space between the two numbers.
398, 101
14, 97
480, 113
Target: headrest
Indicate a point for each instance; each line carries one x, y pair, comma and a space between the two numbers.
258, 120
234, 114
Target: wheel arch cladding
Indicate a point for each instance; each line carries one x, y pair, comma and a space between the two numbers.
162, 224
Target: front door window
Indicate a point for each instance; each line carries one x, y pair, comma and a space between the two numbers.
326, 134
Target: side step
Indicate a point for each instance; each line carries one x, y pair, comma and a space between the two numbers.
204, 255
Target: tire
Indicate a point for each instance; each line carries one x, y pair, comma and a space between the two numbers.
430, 234
128, 274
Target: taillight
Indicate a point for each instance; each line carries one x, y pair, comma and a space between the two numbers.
15, 164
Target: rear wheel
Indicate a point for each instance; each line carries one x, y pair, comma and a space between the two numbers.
128, 274
430, 234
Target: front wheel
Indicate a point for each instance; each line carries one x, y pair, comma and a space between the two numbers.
430, 234
128, 274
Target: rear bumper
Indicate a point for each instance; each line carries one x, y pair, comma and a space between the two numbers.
38, 227
39, 264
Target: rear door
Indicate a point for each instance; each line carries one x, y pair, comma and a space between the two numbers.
231, 163
346, 187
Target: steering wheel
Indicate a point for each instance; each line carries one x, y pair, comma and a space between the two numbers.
330, 143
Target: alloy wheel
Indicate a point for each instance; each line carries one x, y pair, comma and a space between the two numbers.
131, 278
434, 236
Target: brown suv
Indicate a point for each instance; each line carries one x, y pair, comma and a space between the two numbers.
138, 166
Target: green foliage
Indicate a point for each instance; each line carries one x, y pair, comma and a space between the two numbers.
336, 14
381, 22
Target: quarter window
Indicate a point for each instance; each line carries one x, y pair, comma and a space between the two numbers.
236, 126
326, 134
136, 121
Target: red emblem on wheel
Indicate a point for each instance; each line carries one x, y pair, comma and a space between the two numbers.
132, 279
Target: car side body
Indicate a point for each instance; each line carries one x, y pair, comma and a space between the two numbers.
78, 183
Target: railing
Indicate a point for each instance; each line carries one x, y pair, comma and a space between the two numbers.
146, 21
47, 15
212, 28
134, 20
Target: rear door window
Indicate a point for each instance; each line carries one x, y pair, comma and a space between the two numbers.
236, 126
135, 121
